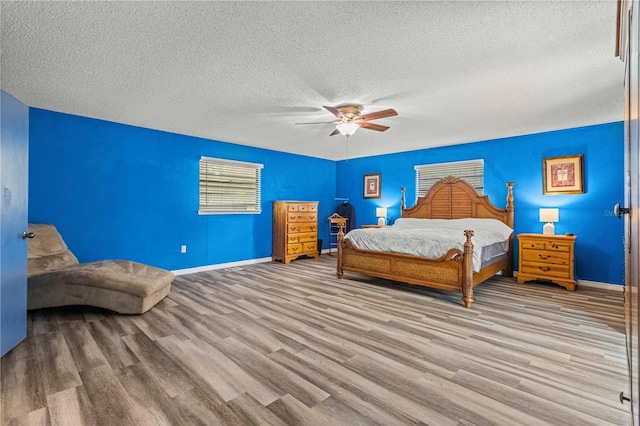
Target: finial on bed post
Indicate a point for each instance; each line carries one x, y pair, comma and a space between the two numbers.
510, 202
339, 270
467, 266
402, 202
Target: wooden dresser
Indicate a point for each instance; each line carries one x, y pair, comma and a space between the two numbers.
547, 257
295, 230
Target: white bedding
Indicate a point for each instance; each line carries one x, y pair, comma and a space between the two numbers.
432, 238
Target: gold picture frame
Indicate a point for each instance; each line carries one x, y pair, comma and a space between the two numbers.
563, 175
372, 185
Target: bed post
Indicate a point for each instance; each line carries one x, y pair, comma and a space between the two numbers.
508, 271
339, 270
510, 203
467, 270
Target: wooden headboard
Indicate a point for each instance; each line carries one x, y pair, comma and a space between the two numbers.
454, 198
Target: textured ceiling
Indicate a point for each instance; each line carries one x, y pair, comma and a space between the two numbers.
246, 72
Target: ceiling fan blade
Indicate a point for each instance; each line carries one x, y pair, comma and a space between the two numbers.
318, 122
335, 132
335, 111
379, 114
372, 126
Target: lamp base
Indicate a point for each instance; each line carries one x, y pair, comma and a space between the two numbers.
548, 228
381, 221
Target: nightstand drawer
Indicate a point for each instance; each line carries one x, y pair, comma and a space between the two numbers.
546, 245
546, 270
556, 246
545, 256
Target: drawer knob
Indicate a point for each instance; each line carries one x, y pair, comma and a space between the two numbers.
541, 256
544, 268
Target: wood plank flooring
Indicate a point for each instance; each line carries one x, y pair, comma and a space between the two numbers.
292, 345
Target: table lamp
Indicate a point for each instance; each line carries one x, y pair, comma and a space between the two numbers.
381, 213
549, 216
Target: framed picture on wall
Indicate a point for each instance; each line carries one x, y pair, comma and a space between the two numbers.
372, 186
563, 175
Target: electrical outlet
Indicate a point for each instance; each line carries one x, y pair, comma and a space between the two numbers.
183, 249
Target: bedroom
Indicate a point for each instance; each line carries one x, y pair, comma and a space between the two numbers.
133, 188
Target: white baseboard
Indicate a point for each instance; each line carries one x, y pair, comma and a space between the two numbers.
220, 266
604, 286
594, 284
225, 265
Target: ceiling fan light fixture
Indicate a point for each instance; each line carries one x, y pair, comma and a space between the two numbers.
347, 128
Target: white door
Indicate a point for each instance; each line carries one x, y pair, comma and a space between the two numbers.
14, 160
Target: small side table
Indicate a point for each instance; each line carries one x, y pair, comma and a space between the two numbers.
547, 257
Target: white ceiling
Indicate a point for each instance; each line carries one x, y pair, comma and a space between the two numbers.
246, 72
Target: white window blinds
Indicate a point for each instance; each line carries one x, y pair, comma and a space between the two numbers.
228, 186
472, 171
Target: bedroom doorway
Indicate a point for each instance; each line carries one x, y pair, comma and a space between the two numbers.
629, 43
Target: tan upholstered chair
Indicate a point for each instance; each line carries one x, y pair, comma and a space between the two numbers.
55, 278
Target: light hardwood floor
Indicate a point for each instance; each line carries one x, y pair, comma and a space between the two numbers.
292, 344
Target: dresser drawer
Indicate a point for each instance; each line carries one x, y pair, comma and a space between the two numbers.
302, 227
545, 256
302, 207
294, 249
310, 247
546, 270
301, 217
302, 237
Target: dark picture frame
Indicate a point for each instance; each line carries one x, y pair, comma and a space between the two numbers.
563, 175
372, 185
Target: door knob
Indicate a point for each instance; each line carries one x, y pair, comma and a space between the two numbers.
619, 211
29, 235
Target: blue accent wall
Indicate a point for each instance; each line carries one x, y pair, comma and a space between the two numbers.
118, 191
599, 244
122, 192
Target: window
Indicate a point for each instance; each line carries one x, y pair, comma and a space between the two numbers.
472, 171
228, 186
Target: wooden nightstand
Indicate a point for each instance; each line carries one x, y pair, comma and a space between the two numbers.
370, 226
547, 257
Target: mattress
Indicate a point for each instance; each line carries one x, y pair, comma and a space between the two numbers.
433, 238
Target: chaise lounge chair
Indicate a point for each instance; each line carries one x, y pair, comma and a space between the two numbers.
55, 278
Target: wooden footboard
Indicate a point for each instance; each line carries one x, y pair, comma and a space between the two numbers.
453, 271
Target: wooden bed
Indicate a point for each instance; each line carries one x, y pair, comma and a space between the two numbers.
449, 198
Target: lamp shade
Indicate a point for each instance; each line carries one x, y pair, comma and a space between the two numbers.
347, 128
549, 215
381, 213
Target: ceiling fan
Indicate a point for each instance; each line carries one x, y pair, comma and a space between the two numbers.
350, 118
